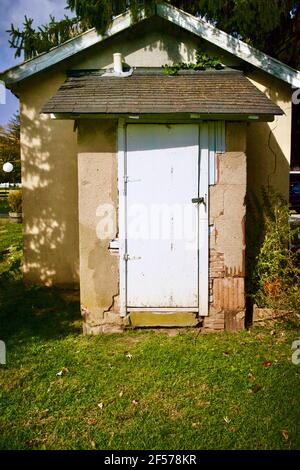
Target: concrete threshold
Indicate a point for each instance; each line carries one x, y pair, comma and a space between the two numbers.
162, 319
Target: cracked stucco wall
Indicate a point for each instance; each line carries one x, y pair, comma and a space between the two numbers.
269, 143
98, 201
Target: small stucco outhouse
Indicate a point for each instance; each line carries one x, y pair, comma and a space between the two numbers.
134, 181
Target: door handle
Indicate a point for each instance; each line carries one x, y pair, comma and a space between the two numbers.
199, 200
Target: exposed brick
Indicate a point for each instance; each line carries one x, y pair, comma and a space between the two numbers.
216, 270
214, 322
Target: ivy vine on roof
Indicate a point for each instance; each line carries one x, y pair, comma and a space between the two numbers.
203, 62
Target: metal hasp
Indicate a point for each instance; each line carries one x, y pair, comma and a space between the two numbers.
199, 200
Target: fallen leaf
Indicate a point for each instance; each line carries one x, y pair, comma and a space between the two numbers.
267, 363
203, 403
62, 372
135, 402
272, 333
128, 355
232, 429
227, 420
121, 394
251, 377
101, 405
92, 421
196, 425
29, 443
225, 353
256, 388
285, 434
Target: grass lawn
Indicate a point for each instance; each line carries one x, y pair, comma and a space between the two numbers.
140, 389
3, 207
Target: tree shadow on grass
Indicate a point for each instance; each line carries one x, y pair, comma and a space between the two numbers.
39, 312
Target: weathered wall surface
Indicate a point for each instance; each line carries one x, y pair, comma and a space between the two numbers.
49, 177
227, 239
269, 144
98, 203
151, 44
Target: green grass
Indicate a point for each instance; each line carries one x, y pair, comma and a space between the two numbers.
10, 251
4, 209
186, 391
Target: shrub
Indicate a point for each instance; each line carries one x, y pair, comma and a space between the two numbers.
275, 270
15, 201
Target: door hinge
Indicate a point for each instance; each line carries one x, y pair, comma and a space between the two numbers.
127, 179
127, 257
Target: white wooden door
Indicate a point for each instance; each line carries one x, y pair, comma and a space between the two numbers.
163, 266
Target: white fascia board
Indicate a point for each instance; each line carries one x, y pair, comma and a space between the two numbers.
67, 49
170, 13
230, 44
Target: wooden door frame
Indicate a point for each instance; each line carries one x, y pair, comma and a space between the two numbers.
203, 217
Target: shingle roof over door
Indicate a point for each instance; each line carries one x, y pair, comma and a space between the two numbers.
208, 92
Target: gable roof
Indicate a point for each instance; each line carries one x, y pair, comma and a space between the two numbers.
197, 26
151, 91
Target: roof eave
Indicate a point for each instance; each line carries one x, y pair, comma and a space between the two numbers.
66, 50
230, 44
170, 13
170, 117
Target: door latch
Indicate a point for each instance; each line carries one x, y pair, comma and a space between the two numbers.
199, 200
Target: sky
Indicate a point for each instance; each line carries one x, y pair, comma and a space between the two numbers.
13, 11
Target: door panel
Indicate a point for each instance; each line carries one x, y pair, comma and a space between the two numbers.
162, 222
